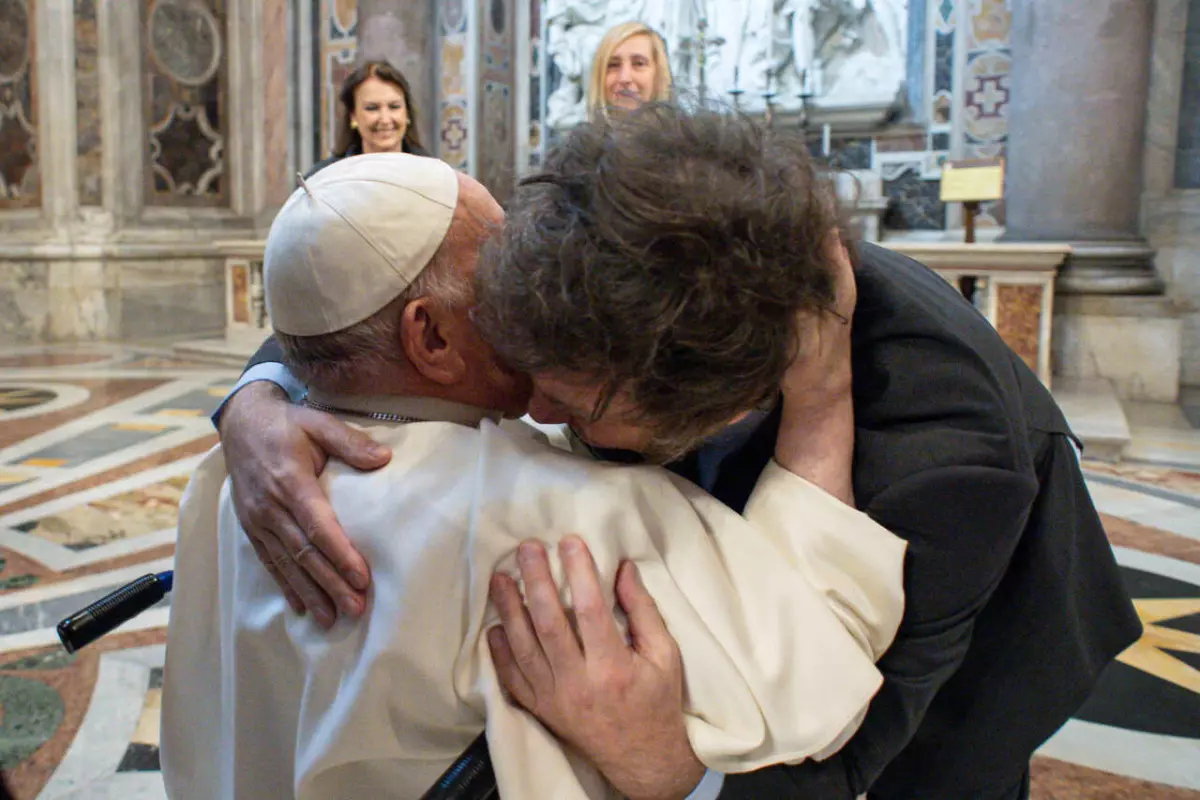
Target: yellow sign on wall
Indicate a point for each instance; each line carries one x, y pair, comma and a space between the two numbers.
973, 180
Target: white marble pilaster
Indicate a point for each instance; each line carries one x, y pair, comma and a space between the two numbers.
122, 123
56, 109
1171, 216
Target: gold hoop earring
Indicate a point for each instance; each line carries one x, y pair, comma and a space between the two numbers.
353, 125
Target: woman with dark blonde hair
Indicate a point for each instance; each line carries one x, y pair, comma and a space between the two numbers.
378, 115
630, 68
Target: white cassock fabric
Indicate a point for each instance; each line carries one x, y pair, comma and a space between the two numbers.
779, 616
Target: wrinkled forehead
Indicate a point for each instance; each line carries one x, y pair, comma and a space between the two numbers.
584, 396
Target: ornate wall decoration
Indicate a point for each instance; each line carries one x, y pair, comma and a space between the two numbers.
185, 102
966, 48
453, 16
455, 45
534, 134
453, 139
985, 91
496, 145
88, 149
336, 53
913, 188
945, 22
20, 185
497, 172
344, 15
847, 53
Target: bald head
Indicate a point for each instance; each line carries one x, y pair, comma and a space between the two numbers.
423, 342
476, 217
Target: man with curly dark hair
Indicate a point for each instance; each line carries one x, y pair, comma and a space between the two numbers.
677, 282
673, 277
665, 265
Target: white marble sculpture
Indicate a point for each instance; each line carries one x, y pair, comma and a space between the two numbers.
853, 52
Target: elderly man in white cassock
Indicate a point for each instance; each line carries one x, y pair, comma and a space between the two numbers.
779, 615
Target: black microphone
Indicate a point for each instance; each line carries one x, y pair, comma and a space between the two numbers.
116, 608
469, 778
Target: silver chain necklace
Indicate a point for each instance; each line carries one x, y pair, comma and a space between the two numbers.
382, 416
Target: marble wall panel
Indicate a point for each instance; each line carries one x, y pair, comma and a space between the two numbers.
852, 153
91, 300
171, 298
496, 146
20, 182
336, 51
83, 300
914, 203
88, 144
1172, 225
185, 102
1171, 207
1019, 320
904, 143
496, 136
275, 100
1167, 60
1187, 153
24, 302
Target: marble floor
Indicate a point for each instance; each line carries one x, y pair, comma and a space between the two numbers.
96, 446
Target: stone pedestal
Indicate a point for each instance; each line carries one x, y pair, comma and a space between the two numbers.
1013, 288
1134, 342
1080, 74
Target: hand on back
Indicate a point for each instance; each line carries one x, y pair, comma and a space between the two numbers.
274, 452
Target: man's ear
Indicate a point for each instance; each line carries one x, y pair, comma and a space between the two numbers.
427, 336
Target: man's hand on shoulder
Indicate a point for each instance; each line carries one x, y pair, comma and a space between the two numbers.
274, 452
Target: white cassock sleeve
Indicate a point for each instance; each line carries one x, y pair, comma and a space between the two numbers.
190, 742
778, 630
779, 617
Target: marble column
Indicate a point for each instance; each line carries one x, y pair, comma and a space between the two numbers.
402, 32
1080, 76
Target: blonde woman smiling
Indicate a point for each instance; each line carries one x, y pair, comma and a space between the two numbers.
630, 68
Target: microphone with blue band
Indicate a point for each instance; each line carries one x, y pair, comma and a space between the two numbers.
84, 627
470, 777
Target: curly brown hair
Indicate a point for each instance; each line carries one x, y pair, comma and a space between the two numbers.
664, 253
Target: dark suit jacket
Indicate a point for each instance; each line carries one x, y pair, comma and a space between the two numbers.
1014, 601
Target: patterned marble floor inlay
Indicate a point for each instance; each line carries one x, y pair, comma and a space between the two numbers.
20, 398
96, 447
124, 516
100, 441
